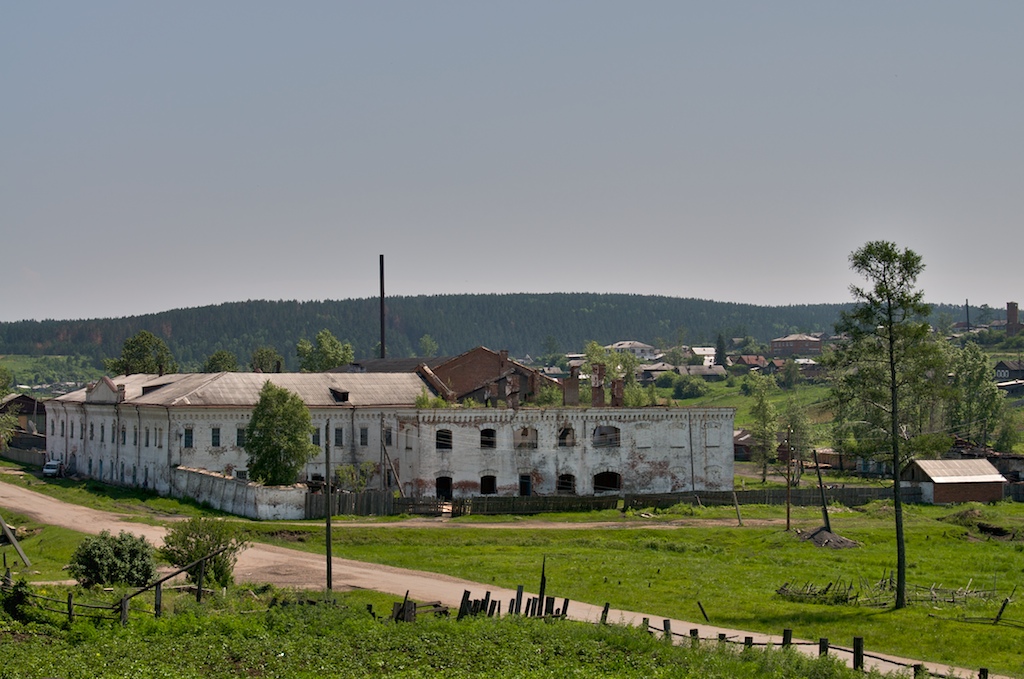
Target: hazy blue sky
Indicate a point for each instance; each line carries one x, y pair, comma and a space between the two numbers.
161, 155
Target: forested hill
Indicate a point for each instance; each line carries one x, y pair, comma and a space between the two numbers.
522, 323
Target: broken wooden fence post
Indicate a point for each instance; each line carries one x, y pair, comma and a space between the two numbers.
124, 610
748, 642
199, 585
822, 646
667, 626
647, 624
983, 673
549, 606
71, 610
694, 637
604, 614
858, 653
721, 637
565, 608
158, 599
920, 672
463, 606
519, 600
787, 638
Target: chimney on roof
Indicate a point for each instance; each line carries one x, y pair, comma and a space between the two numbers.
502, 361
120, 393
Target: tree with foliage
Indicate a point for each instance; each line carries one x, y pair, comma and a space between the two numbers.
428, 347
106, 560
790, 375
766, 421
8, 420
976, 403
799, 435
221, 362
188, 541
885, 363
142, 353
355, 478
720, 350
6, 381
266, 360
277, 438
325, 352
689, 386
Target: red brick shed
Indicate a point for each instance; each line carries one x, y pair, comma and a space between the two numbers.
951, 481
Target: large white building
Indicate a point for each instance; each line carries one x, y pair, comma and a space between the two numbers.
134, 430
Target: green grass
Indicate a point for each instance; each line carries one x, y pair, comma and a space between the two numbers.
735, 572
337, 637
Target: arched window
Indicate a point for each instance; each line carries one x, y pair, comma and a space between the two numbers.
488, 439
62, 427
606, 437
443, 441
526, 438
607, 481
488, 485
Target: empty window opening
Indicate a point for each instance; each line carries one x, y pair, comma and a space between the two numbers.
364, 436
607, 481
488, 485
215, 437
526, 438
339, 437
566, 484
240, 437
566, 437
444, 439
606, 437
188, 442
488, 439
525, 485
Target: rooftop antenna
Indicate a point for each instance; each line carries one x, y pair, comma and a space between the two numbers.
383, 352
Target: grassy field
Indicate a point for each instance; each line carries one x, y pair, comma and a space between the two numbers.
336, 637
664, 562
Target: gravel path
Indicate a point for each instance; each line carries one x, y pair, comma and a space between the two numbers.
294, 569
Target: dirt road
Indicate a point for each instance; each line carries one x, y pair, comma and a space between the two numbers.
289, 568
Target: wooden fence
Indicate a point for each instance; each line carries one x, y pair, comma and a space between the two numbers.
496, 504
367, 503
800, 497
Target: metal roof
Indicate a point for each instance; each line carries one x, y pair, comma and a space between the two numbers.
960, 471
243, 389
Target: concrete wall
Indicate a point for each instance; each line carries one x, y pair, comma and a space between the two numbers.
239, 497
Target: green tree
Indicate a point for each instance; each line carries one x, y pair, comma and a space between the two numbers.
189, 541
799, 435
266, 360
354, 478
720, 350
6, 381
8, 420
428, 347
976, 403
885, 363
325, 352
277, 438
143, 352
221, 361
790, 375
766, 421
105, 560
617, 364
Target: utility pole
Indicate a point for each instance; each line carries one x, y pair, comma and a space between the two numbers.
327, 492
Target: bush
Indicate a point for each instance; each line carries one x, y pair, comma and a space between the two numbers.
104, 560
189, 541
688, 386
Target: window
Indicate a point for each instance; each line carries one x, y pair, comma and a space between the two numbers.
240, 437
215, 437
526, 438
606, 437
92, 431
160, 437
135, 436
242, 474
488, 439
566, 484
62, 427
52, 425
188, 443
488, 485
124, 434
81, 431
103, 432
443, 439
147, 434
524, 485
566, 437
316, 436
72, 425
364, 436
339, 437
387, 436
607, 481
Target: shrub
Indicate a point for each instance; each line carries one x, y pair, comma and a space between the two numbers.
189, 541
688, 386
104, 559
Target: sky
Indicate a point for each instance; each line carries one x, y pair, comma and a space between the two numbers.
160, 155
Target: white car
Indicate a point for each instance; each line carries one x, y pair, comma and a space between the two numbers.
51, 468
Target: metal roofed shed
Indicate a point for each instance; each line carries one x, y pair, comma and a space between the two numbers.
954, 481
